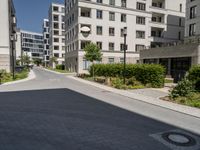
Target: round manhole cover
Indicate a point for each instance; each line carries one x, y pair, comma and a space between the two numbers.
179, 139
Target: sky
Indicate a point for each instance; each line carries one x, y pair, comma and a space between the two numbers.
30, 13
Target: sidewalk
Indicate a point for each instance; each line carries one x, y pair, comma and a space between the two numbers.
145, 97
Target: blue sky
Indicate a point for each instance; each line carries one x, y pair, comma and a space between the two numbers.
30, 13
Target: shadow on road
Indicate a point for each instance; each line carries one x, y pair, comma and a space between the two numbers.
61, 119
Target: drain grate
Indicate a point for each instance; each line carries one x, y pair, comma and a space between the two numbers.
178, 140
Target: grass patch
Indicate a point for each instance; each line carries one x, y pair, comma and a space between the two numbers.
58, 70
7, 77
169, 81
192, 99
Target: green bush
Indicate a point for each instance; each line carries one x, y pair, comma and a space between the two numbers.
184, 88
60, 67
194, 76
150, 74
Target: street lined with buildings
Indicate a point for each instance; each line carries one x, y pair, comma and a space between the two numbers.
56, 112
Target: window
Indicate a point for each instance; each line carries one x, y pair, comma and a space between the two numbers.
181, 7
180, 22
112, 2
139, 47
111, 16
111, 60
99, 14
86, 64
193, 12
192, 29
56, 55
121, 60
122, 47
140, 20
56, 40
111, 46
99, 30
56, 48
55, 18
55, 9
99, 44
123, 3
123, 17
141, 6
140, 34
111, 31
99, 1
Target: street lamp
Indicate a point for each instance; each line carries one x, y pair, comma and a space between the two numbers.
125, 48
13, 57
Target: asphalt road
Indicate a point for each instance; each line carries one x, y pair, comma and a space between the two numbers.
53, 112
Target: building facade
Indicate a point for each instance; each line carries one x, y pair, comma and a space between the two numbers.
57, 32
149, 23
192, 27
32, 44
46, 42
7, 35
179, 58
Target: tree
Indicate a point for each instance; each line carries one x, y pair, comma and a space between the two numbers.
53, 61
92, 53
25, 59
37, 61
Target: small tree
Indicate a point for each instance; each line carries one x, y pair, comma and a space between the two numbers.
37, 61
92, 53
53, 61
25, 59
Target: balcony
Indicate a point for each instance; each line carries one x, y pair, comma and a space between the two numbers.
160, 4
85, 12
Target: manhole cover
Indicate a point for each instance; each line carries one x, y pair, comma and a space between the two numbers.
179, 139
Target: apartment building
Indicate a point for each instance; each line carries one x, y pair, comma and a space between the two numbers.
46, 42
179, 57
32, 44
149, 23
7, 35
57, 32
192, 28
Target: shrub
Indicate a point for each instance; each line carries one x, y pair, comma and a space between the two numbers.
60, 67
194, 76
184, 88
145, 73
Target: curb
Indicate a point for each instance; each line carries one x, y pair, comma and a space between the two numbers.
195, 112
58, 72
31, 76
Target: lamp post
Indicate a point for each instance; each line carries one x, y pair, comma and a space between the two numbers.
13, 57
125, 48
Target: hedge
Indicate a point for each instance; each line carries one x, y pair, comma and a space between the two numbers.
194, 76
60, 67
145, 73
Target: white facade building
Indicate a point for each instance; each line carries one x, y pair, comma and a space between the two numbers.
7, 35
192, 28
57, 32
46, 42
32, 44
149, 23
